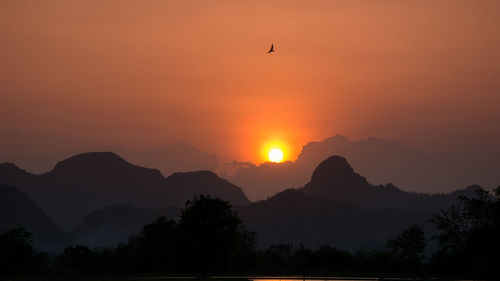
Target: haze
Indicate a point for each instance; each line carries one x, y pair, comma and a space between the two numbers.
147, 74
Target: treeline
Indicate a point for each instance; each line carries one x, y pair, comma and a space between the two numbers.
211, 239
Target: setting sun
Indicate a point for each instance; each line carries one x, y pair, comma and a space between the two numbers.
275, 155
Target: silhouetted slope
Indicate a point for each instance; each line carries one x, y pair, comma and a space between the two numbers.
18, 210
293, 216
185, 185
335, 179
90, 181
110, 225
10, 174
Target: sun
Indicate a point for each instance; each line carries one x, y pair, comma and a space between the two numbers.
275, 155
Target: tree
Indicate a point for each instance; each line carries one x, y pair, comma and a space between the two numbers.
212, 235
17, 254
154, 248
409, 244
468, 235
406, 250
78, 257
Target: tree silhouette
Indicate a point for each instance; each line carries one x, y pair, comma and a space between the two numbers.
212, 235
468, 236
152, 249
17, 254
409, 244
407, 249
77, 257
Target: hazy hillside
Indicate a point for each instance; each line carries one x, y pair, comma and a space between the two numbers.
18, 210
111, 225
295, 217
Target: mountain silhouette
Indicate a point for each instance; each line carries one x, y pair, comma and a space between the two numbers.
337, 181
185, 185
177, 157
18, 210
90, 181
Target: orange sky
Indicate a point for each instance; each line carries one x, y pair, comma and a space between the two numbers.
142, 74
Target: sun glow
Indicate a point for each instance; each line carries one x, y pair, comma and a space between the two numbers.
274, 150
275, 155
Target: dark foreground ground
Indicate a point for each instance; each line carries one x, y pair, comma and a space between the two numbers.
169, 278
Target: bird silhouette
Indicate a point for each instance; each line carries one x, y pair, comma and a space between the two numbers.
272, 49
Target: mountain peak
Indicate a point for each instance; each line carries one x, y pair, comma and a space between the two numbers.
338, 138
335, 169
8, 167
334, 176
88, 160
13, 175
195, 174
188, 184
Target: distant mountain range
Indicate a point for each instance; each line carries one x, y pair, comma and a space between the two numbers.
176, 157
380, 161
90, 181
103, 199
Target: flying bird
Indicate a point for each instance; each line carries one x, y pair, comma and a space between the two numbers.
272, 49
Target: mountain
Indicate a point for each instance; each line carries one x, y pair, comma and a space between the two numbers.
337, 181
295, 217
380, 161
18, 210
11, 174
182, 186
177, 157
110, 225
90, 181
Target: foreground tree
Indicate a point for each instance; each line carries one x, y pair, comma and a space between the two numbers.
212, 235
407, 249
468, 236
17, 254
154, 248
409, 244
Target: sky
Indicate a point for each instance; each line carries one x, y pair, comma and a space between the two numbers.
146, 74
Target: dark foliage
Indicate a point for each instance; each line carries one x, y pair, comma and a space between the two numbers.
468, 237
407, 249
17, 254
156, 247
212, 236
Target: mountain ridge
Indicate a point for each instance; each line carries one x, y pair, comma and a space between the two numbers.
335, 179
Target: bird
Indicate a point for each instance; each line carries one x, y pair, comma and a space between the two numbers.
272, 49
